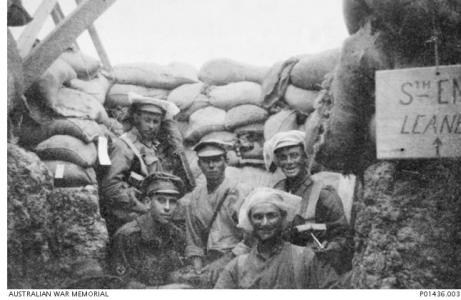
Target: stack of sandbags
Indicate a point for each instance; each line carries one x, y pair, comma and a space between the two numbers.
145, 79
74, 86
67, 118
228, 97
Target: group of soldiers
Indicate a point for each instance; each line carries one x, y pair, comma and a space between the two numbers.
220, 233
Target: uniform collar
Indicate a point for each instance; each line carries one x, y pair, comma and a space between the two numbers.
277, 249
151, 229
292, 186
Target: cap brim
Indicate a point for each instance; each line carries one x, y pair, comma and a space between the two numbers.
151, 108
210, 153
168, 192
286, 144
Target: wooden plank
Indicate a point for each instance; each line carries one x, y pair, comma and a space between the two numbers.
57, 15
30, 33
98, 44
42, 56
418, 112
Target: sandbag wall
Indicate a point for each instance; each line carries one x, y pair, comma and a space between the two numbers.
226, 104
64, 121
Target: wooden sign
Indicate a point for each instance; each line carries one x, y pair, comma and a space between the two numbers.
418, 112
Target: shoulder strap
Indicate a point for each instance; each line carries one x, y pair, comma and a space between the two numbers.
124, 137
215, 213
309, 212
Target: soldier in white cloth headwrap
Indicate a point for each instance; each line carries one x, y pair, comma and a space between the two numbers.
273, 263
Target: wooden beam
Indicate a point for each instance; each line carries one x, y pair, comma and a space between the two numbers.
31, 31
58, 16
42, 56
98, 44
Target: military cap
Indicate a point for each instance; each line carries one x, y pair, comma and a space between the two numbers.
153, 105
211, 147
162, 183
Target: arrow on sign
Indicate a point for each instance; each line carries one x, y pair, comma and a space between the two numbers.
437, 144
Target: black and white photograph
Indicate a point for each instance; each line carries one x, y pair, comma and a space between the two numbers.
233, 144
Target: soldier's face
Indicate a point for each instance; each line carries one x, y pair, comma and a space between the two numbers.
162, 206
291, 160
213, 167
148, 124
267, 221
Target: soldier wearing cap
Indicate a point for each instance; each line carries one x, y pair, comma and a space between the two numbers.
321, 205
212, 213
146, 250
151, 145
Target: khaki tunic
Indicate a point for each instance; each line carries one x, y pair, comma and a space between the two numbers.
147, 251
224, 234
118, 194
329, 210
289, 267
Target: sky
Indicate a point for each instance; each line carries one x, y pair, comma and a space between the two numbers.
258, 32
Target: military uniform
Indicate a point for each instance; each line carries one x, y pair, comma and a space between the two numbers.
119, 194
146, 251
327, 210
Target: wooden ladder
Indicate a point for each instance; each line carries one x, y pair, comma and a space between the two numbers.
36, 59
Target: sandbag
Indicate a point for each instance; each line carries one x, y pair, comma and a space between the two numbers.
222, 71
45, 90
32, 133
118, 94
312, 128
72, 175
73, 103
223, 136
284, 120
300, 99
204, 121
244, 115
255, 128
68, 148
310, 71
155, 76
84, 65
276, 82
97, 87
344, 186
185, 95
234, 94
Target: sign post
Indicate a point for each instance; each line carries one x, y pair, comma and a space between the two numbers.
418, 112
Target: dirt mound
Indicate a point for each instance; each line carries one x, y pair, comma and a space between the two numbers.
29, 185
408, 226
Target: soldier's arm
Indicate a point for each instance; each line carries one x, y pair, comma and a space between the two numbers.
195, 247
331, 212
114, 188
